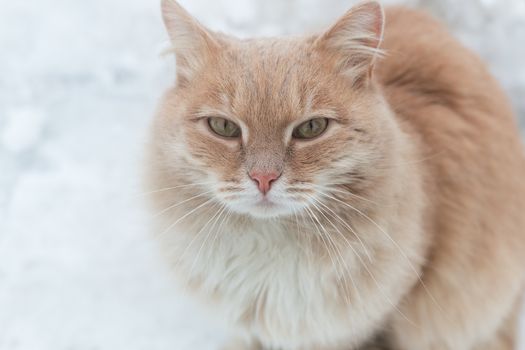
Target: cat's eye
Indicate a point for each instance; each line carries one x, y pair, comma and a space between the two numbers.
224, 127
311, 128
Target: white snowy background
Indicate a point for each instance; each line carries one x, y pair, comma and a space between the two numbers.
79, 82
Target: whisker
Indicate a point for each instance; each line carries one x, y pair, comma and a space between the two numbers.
306, 235
205, 240
179, 203
307, 211
336, 251
297, 225
342, 259
381, 289
185, 216
196, 236
219, 231
395, 244
172, 188
230, 189
299, 190
347, 225
331, 189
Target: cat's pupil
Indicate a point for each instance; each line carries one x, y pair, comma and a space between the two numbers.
314, 126
224, 127
311, 128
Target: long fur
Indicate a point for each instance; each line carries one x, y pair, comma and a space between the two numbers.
402, 222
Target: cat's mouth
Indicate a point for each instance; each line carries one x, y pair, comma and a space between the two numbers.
275, 203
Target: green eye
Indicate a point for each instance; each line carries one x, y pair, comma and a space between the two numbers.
224, 127
310, 128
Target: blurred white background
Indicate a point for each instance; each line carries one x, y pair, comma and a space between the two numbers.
79, 81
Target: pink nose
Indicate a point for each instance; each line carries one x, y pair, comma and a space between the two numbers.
264, 179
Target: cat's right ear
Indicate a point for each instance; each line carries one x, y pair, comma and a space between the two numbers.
192, 43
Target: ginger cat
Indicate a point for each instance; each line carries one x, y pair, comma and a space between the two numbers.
328, 191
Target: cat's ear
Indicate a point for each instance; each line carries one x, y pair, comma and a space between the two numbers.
192, 43
354, 40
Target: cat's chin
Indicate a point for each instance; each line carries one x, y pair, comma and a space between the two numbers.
265, 210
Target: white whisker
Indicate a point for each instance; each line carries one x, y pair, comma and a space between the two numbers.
395, 244
185, 216
172, 188
381, 289
332, 189
196, 236
343, 261
181, 202
334, 214
219, 229
210, 231
337, 252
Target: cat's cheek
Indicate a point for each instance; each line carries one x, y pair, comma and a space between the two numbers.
222, 158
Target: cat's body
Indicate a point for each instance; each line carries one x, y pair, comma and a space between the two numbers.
475, 183
411, 226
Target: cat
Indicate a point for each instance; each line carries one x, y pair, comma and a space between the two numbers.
324, 191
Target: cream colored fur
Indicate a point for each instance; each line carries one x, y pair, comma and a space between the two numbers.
402, 223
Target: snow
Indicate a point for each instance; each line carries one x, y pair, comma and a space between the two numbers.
22, 128
79, 83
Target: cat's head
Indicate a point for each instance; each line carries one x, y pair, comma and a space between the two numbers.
265, 126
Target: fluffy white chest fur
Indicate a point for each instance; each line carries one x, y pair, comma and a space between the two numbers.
264, 279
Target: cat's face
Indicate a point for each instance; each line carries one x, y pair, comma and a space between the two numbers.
267, 126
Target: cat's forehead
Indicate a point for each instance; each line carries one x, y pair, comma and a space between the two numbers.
269, 80
273, 63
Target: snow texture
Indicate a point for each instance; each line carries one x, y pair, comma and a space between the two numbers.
79, 82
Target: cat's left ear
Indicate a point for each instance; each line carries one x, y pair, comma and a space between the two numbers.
353, 42
194, 45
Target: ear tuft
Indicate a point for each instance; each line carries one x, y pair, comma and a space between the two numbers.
192, 43
355, 39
